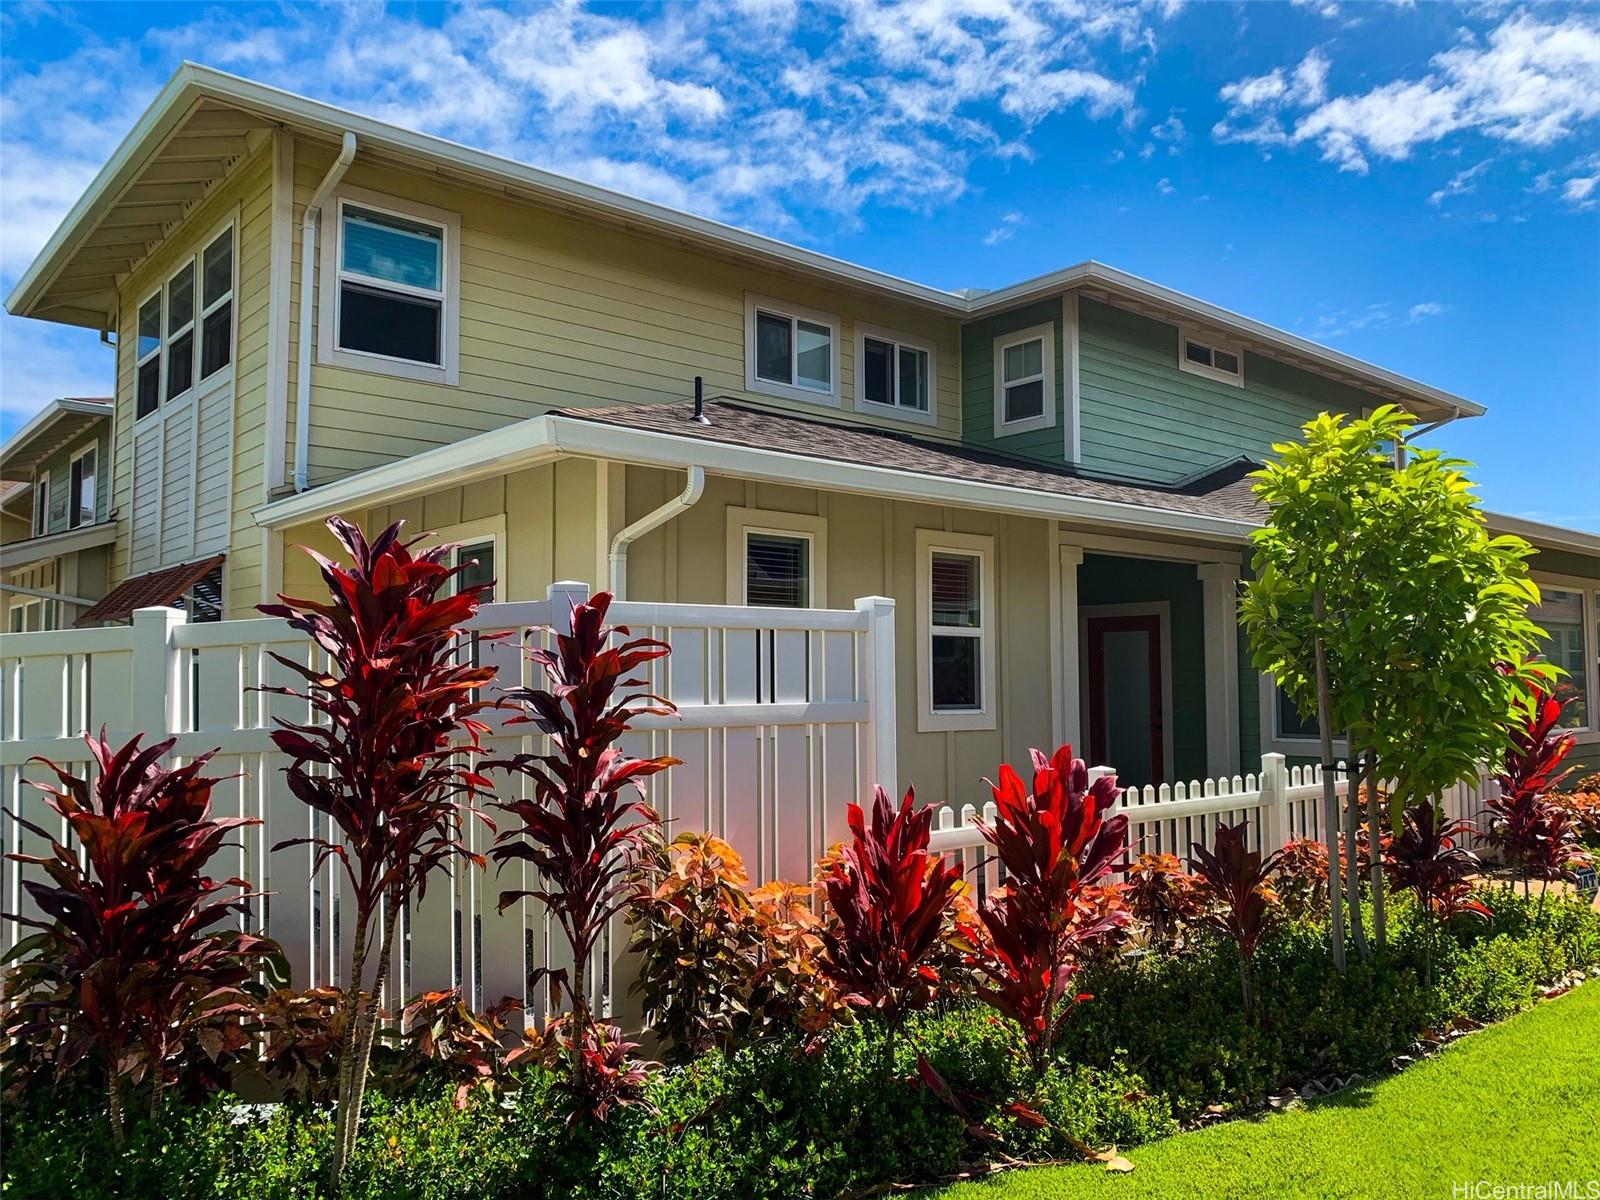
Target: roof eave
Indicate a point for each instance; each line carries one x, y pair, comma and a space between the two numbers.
46, 417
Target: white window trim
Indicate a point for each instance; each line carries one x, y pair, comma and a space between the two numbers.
1046, 335
204, 386
1273, 741
741, 522
980, 546
790, 391
468, 533
72, 509
190, 264
910, 342
41, 504
328, 352
1589, 590
1188, 333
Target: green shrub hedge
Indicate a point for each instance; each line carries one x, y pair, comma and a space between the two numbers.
1164, 1036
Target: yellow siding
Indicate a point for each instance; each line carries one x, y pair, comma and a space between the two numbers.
558, 311
245, 195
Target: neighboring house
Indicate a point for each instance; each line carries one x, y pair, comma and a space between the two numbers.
58, 519
316, 312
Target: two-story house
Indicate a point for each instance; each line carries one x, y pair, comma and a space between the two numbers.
57, 522
316, 312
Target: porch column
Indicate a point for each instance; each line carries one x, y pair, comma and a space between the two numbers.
1220, 588
1068, 667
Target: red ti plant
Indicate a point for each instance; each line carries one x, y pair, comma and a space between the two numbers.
1538, 835
888, 897
384, 756
1427, 859
586, 826
133, 966
1053, 841
1236, 879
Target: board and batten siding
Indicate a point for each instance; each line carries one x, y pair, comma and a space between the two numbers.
559, 311
176, 474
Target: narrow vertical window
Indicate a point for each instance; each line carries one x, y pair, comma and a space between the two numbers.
956, 631
180, 332
81, 501
216, 321
148, 351
41, 505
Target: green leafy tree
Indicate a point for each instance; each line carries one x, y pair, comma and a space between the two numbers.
1382, 603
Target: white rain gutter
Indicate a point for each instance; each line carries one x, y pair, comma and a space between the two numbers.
693, 488
308, 276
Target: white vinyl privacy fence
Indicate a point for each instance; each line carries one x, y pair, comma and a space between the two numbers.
1279, 803
784, 715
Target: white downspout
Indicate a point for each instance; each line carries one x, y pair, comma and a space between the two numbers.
693, 489
308, 275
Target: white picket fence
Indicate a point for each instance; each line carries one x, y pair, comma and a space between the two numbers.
1280, 802
784, 715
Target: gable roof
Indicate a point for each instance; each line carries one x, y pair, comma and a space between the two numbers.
203, 122
48, 430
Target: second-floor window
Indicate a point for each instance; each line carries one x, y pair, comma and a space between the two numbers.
81, 497
184, 335
1025, 380
791, 352
1201, 354
41, 505
894, 374
391, 286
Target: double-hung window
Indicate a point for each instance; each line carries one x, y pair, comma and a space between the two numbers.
1025, 380
185, 330
791, 352
895, 374
955, 619
1201, 354
41, 505
390, 271
81, 495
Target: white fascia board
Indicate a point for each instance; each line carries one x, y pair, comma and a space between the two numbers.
191, 81
1579, 540
482, 456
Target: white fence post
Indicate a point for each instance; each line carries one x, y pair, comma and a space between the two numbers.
1274, 784
153, 682
878, 687
564, 597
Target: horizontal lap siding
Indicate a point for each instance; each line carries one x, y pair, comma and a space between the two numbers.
1144, 418
561, 312
59, 465
977, 357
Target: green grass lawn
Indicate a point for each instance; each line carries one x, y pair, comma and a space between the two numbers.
1518, 1103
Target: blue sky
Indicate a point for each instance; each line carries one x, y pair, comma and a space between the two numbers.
1415, 184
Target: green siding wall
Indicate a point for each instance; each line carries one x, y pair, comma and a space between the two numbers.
1103, 579
59, 465
977, 383
1143, 417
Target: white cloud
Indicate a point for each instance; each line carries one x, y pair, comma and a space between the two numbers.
1172, 132
1462, 183
1580, 190
1330, 326
1421, 312
1531, 82
1005, 230
1164, 186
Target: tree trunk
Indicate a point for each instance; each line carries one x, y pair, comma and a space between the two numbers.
1330, 798
369, 1029
1352, 871
353, 1007
114, 1103
1375, 824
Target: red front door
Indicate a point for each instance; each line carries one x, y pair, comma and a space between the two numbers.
1125, 699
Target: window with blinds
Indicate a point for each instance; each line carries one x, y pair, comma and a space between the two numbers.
391, 286
955, 589
777, 571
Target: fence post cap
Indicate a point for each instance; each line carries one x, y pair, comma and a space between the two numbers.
160, 614
866, 603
